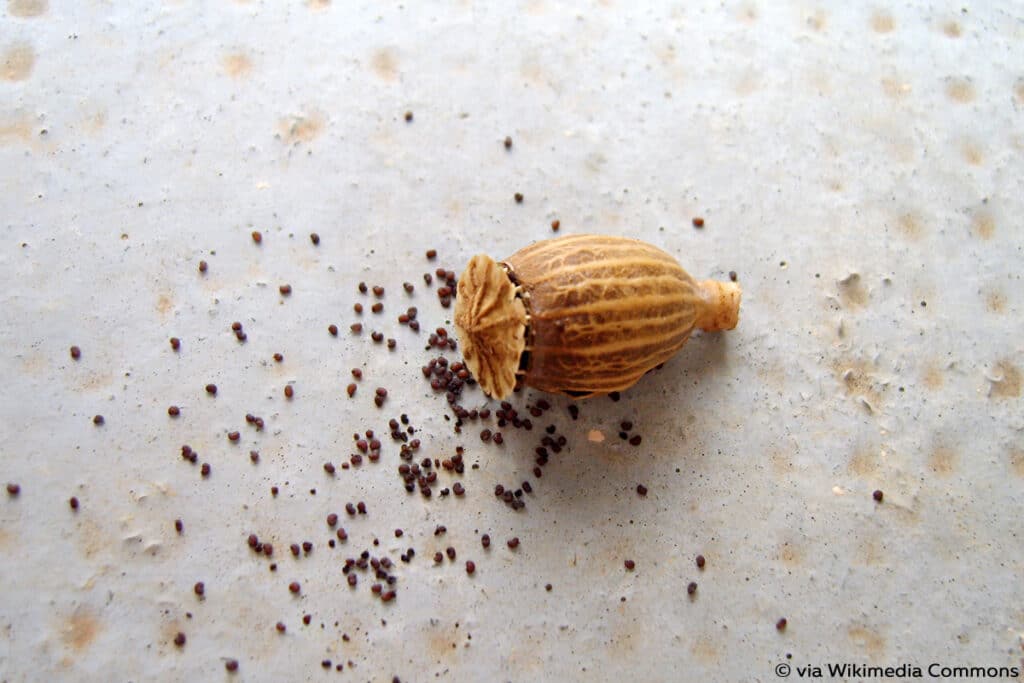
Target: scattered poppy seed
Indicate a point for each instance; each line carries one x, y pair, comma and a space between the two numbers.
174, 411
294, 587
519, 197
392, 343
314, 238
278, 357
399, 533
332, 519
179, 526
508, 142
438, 557
13, 489
555, 225
76, 352
513, 542
211, 389
175, 343
257, 237
698, 222
377, 307
236, 326
281, 628
700, 562
485, 540
780, 625
408, 116
363, 289
333, 329
329, 468
635, 440
408, 287
205, 469
199, 588
289, 391
233, 436
470, 566
203, 266
351, 389
878, 495
231, 665
378, 291
98, 420
285, 290
691, 588
450, 552
431, 254
306, 618
547, 587
630, 565
732, 275
641, 489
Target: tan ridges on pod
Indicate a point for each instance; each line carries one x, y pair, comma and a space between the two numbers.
595, 314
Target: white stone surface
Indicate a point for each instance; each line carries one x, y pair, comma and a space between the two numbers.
852, 164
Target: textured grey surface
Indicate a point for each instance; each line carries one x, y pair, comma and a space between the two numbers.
861, 170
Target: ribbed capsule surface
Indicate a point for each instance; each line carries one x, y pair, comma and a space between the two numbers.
602, 311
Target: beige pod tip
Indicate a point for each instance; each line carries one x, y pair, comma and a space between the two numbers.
582, 315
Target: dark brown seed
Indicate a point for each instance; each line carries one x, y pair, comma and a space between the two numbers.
357, 373
407, 286
513, 542
174, 411
458, 489
878, 495
76, 352
98, 420
470, 566
485, 435
333, 329
342, 534
285, 290
450, 552
314, 238
289, 391
498, 438
273, 491
508, 142
691, 588
233, 436
485, 540
377, 337
202, 266
332, 519
257, 237
179, 639
438, 557
382, 392
387, 597
236, 326
555, 225
732, 275
352, 580
211, 389
278, 357
519, 197
231, 665
13, 489
630, 565
281, 628
698, 222
641, 489
351, 389
378, 291
361, 507
329, 468
780, 625
700, 562
377, 307
294, 587
392, 343
199, 588
306, 618
357, 307
205, 469
175, 343
635, 440
431, 254
408, 116
179, 526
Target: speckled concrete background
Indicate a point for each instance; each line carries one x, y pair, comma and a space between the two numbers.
859, 168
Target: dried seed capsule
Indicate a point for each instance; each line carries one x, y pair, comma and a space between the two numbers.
582, 315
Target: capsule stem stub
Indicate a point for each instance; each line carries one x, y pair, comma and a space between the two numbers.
721, 305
